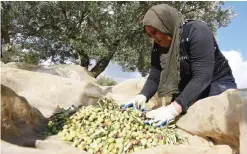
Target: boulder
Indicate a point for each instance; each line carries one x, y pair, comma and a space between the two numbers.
21, 65
75, 72
182, 149
222, 118
45, 91
127, 90
43, 147
2, 63
19, 121
194, 140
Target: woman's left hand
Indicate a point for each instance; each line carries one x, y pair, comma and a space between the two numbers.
164, 115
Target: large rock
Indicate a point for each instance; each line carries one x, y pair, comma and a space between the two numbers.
194, 140
2, 63
183, 149
45, 91
19, 121
221, 118
74, 72
128, 89
50, 145
21, 65
22, 124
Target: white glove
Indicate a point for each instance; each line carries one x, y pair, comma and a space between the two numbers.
162, 116
138, 103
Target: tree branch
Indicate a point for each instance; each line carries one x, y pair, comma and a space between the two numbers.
104, 61
192, 10
183, 6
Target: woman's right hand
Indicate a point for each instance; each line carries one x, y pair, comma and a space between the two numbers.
139, 103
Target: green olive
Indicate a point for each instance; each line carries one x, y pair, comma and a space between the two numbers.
91, 151
98, 140
111, 140
149, 145
109, 128
80, 146
111, 146
150, 140
144, 141
89, 141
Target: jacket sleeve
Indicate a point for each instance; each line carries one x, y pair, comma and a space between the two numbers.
152, 82
201, 54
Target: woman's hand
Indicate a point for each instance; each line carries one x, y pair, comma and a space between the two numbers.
177, 106
164, 115
138, 103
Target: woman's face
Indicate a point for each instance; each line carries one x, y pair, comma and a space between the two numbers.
160, 38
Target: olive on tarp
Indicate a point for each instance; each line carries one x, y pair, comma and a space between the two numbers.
108, 129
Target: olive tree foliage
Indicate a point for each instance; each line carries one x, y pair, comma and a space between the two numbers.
82, 31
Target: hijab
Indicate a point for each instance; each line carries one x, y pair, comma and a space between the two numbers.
169, 21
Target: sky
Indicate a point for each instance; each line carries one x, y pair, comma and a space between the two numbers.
232, 42
233, 37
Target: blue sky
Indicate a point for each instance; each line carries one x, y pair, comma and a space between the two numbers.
234, 36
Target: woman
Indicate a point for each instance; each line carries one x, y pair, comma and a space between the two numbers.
186, 64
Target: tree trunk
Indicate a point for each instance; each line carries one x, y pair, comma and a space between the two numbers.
6, 6
85, 61
101, 65
104, 61
5, 35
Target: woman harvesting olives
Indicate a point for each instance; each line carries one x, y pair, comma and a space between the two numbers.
186, 64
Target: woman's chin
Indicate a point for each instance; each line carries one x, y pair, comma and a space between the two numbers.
164, 45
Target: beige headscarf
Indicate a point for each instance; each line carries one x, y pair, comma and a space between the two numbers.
167, 20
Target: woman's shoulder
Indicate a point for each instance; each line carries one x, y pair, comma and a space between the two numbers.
193, 25
194, 28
